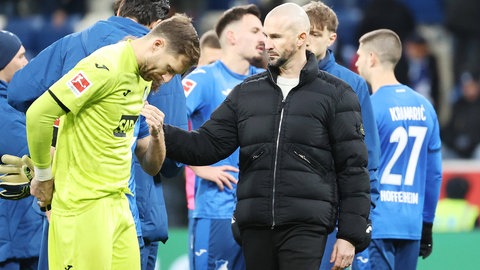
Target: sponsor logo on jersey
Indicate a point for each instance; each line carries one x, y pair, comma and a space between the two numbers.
188, 86
362, 259
102, 66
126, 124
200, 252
79, 84
126, 93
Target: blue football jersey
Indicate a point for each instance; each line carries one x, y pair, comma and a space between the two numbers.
410, 163
205, 88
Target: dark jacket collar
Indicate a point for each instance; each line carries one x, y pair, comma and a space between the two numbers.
308, 72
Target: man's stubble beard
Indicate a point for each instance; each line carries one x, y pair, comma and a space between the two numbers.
282, 59
278, 62
143, 71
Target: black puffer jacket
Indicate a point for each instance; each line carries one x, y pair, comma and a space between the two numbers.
301, 158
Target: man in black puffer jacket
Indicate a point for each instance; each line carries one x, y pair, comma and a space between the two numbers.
302, 155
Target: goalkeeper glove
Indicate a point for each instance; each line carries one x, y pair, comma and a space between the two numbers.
15, 177
426, 243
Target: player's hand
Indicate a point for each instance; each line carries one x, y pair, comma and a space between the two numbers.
15, 176
154, 118
43, 191
218, 174
342, 254
426, 243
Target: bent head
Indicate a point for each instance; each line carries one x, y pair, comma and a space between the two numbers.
286, 29
174, 48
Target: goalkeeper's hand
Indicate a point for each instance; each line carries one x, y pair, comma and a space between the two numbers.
15, 176
426, 243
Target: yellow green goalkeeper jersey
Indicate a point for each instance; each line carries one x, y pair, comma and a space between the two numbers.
103, 95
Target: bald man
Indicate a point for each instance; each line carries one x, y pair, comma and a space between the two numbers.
302, 155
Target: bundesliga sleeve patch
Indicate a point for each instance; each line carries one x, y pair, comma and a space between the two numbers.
79, 83
188, 86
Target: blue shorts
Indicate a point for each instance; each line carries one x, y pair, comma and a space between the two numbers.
394, 253
214, 247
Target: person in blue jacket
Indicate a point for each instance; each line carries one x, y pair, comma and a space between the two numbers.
133, 18
323, 33
21, 224
170, 99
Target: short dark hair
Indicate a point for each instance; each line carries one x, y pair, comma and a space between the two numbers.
144, 11
235, 14
180, 35
385, 43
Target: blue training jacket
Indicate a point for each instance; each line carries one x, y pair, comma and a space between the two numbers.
150, 201
57, 59
20, 224
360, 87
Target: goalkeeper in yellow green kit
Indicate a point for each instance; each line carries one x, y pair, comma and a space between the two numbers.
99, 100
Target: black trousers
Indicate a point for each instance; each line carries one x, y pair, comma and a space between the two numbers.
293, 247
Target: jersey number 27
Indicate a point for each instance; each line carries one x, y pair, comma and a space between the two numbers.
400, 136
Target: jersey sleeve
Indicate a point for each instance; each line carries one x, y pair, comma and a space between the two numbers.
194, 87
433, 179
84, 84
435, 142
40, 118
372, 139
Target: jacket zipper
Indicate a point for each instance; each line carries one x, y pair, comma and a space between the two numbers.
303, 157
275, 165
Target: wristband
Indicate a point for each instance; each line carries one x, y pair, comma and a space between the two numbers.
43, 174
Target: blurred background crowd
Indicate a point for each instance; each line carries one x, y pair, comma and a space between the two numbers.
440, 60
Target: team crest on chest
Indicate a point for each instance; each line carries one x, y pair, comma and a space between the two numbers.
79, 83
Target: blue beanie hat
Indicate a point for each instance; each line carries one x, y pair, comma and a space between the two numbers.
9, 46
